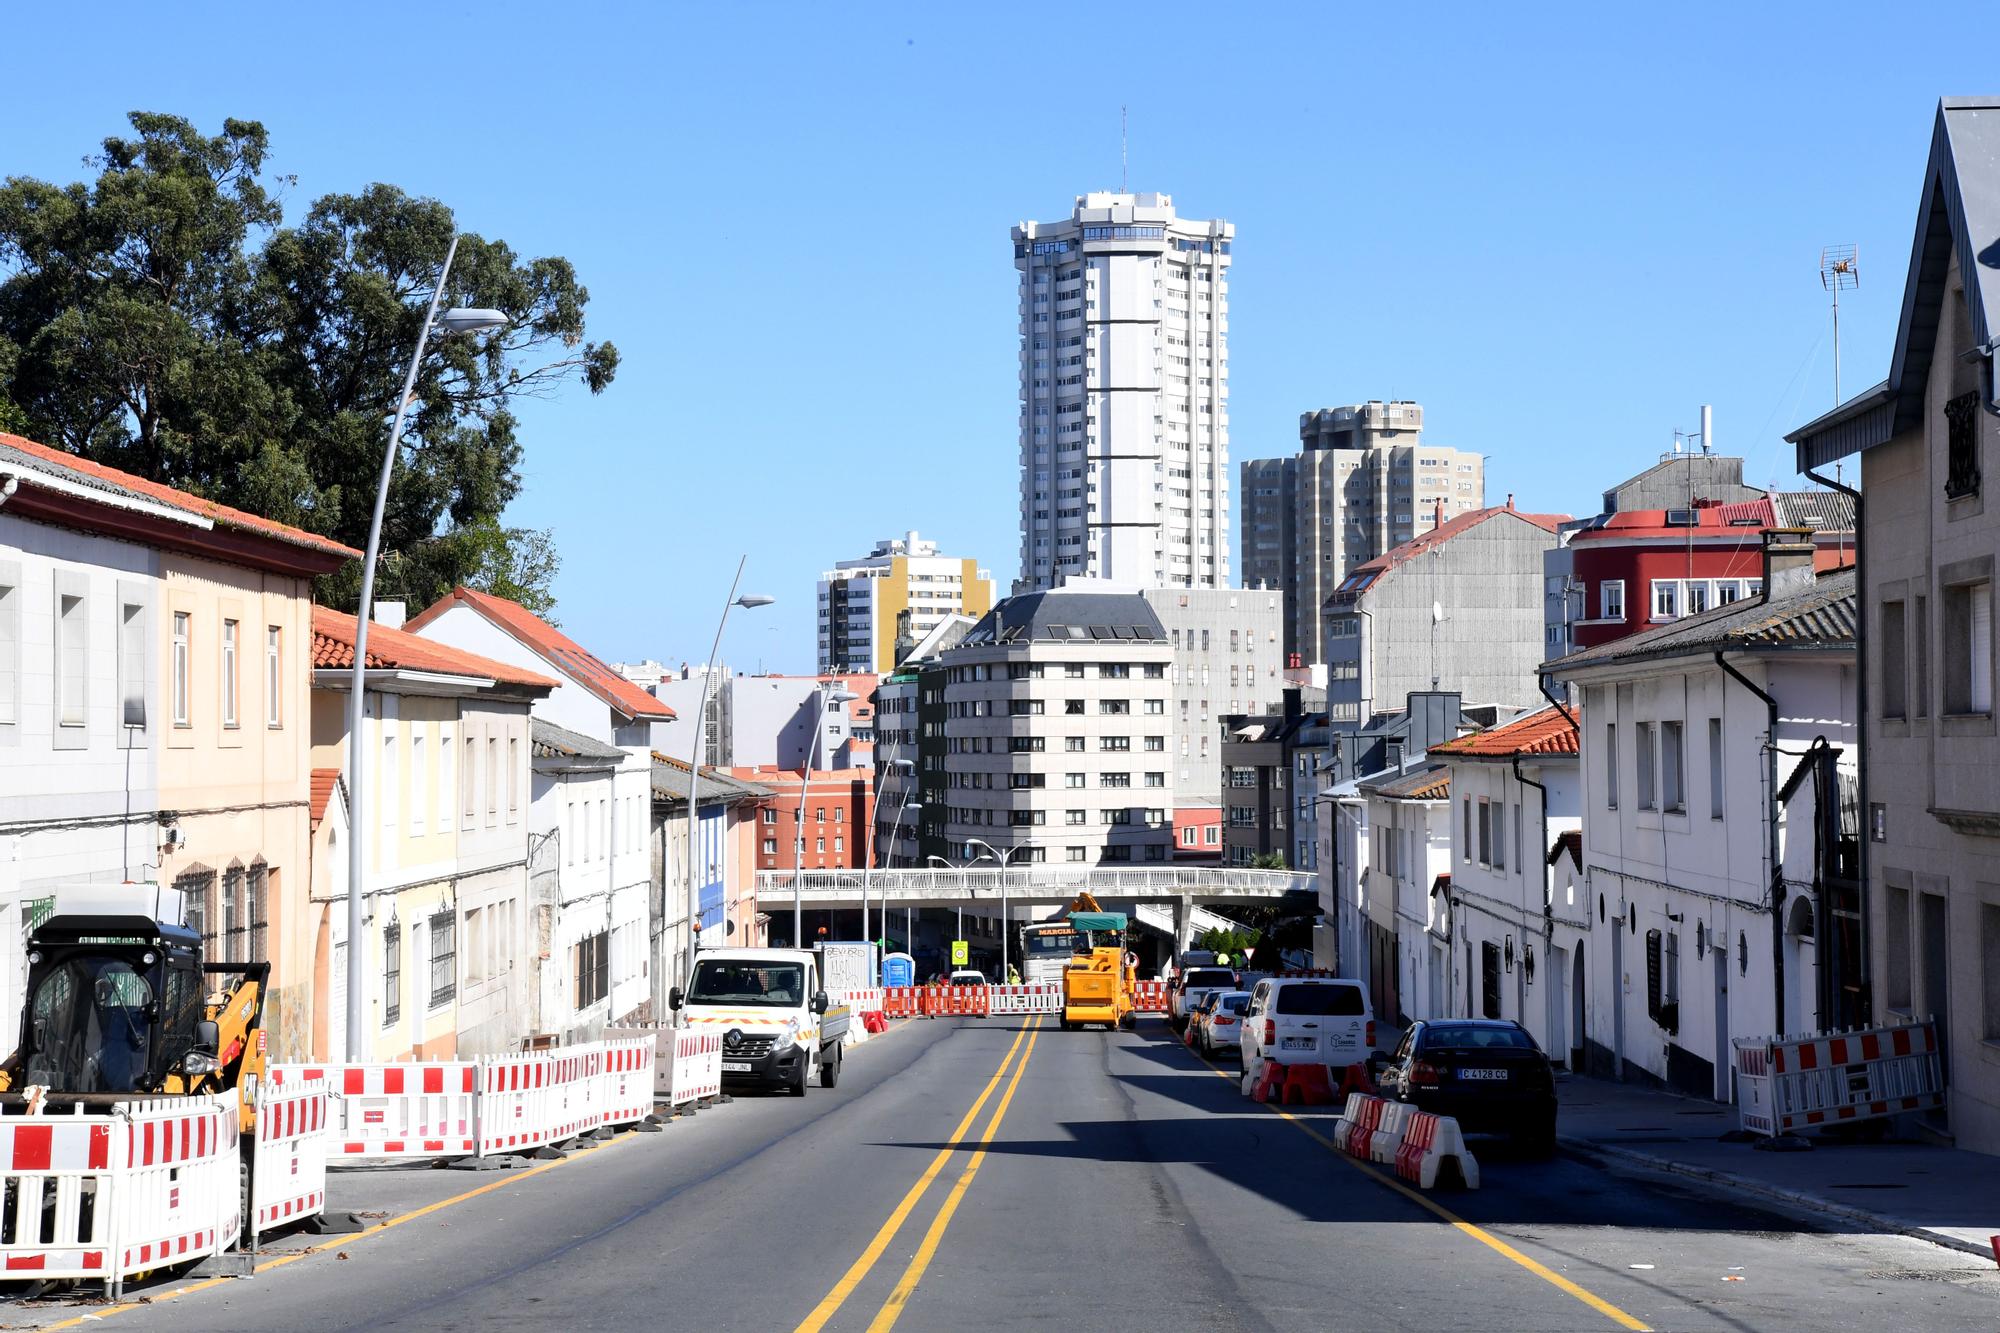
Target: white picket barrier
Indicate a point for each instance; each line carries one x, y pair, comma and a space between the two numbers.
288, 1163
579, 1084
179, 1195
628, 1076
697, 1066
1041, 997
60, 1199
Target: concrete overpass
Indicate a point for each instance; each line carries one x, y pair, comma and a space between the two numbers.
1154, 892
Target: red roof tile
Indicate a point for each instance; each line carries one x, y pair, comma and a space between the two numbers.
555, 647
333, 646
1450, 528
1543, 732
83, 470
323, 782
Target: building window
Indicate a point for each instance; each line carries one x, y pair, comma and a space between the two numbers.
274, 677
1968, 637
1076, 854
1489, 980
1894, 661
388, 784
468, 783
132, 665
1611, 765
1118, 744
1961, 417
1500, 837
72, 661
181, 626
1645, 766
1074, 780
392, 974
513, 779
1666, 599
230, 630
444, 958
1076, 816
257, 899
492, 779
1465, 844
1611, 599
770, 846
1485, 833
196, 885
1715, 768
1673, 767
592, 968
1919, 670
770, 815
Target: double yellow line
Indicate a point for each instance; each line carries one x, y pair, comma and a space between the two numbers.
913, 1273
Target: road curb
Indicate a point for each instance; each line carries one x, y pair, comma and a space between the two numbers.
1811, 1203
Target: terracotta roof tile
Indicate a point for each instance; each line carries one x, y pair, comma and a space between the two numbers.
555, 647
1426, 784
115, 482
391, 649
324, 780
1544, 732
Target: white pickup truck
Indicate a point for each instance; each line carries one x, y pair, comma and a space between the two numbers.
778, 1028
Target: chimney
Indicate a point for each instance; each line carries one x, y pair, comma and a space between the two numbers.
391, 615
1788, 561
1510, 499
1707, 429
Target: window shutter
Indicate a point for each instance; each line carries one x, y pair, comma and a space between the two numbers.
1980, 693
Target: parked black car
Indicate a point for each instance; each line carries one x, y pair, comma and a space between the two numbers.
1485, 1073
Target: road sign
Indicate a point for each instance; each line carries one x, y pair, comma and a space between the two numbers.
961, 953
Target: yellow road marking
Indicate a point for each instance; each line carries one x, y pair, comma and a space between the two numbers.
1484, 1237
859, 1269
157, 1298
892, 1308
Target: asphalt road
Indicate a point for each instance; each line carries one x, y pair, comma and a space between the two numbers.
1001, 1173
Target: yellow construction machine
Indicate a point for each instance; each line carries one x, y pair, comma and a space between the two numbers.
120, 1006
1098, 983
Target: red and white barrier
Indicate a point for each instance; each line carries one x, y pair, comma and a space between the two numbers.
1428, 1141
1149, 997
388, 1111
1354, 1133
288, 1165
1037, 998
697, 1065
628, 1080
902, 1001
179, 1196
1786, 1084
60, 1195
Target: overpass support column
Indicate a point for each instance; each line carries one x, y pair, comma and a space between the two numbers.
1183, 924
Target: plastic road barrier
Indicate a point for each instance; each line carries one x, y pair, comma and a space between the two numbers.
902, 1001
177, 1194
628, 1079
1036, 998
1785, 1084
388, 1111
60, 1195
288, 1164
1359, 1120
1149, 997
1387, 1140
697, 1066
1428, 1142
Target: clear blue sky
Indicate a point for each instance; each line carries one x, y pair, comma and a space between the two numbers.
1561, 230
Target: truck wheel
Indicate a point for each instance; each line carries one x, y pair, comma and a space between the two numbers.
804, 1077
829, 1070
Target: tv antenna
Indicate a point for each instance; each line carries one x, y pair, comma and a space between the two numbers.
1839, 271
1124, 170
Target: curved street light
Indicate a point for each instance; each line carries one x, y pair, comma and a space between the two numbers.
1006, 923
749, 601
454, 321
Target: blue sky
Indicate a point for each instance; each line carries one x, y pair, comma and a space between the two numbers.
1561, 229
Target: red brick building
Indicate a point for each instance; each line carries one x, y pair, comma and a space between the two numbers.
839, 810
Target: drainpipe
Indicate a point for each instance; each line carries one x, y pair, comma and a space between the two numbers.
1542, 861
1866, 832
1777, 863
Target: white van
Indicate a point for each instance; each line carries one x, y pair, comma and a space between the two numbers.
1307, 1019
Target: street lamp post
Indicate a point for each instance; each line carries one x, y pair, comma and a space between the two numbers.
868, 861
823, 696
453, 321
1005, 923
961, 907
749, 601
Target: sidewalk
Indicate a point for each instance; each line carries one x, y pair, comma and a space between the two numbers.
1942, 1195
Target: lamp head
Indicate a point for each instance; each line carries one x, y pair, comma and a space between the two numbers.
750, 601
471, 321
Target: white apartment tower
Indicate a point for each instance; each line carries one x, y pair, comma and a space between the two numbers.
1124, 395
861, 602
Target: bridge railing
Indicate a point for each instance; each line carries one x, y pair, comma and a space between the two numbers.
1039, 881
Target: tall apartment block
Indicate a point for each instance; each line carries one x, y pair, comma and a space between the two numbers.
1363, 483
1124, 395
860, 601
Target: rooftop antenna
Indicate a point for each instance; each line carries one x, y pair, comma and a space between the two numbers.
1839, 270
1124, 171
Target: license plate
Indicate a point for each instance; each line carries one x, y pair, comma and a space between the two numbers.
735, 1066
1296, 1043
1487, 1075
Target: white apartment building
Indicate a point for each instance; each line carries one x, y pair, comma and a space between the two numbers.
862, 602
1124, 319
1059, 737
1228, 659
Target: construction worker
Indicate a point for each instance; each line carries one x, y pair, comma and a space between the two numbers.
1013, 975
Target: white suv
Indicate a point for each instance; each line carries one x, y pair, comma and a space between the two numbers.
1307, 1019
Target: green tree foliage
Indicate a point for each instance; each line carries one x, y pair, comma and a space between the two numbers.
161, 319
1235, 943
1268, 861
